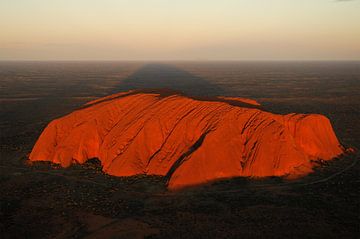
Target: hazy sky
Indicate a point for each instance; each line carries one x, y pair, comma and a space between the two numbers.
179, 29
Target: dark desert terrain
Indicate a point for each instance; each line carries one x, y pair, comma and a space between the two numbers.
41, 200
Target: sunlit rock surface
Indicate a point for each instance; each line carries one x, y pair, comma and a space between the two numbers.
190, 141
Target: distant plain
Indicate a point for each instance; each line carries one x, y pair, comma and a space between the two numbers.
37, 198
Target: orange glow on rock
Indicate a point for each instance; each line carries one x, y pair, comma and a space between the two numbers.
190, 141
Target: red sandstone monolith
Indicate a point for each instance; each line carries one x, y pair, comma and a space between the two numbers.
190, 141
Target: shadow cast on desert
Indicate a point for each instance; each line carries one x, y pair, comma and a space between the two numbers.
166, 76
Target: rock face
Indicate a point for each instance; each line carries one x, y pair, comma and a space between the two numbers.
188, 140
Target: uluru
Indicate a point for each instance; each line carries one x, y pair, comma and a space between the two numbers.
188, 140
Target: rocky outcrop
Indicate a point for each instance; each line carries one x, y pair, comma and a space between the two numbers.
190, 141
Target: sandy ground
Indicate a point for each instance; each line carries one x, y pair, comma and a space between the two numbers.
45, 201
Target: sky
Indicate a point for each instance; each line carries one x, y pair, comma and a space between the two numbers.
180, 30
